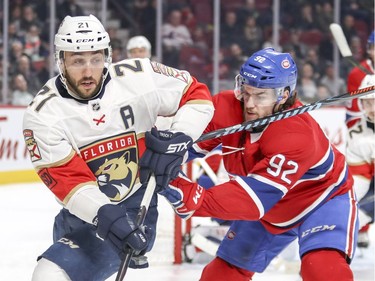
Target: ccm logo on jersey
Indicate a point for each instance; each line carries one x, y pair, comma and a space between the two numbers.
177, 147
318, 229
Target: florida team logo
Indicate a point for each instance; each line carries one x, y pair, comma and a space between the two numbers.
285, 63
32, 145
114, 161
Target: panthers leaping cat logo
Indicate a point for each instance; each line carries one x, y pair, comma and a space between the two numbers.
115, 172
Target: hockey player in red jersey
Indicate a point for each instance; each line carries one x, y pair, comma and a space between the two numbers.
85, 134
287, 181
360, 155
355, 79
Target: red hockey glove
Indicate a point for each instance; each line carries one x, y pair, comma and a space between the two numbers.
185, 196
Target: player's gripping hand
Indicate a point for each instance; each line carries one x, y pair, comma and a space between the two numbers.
185, 196
163, 156
113, 224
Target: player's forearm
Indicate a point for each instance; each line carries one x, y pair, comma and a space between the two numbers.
86, 202
192, 119
229, 202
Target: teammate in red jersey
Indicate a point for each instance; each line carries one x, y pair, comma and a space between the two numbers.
287, 182
355, 79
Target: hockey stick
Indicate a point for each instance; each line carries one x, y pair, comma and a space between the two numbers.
149, 192
343, 46
285, 114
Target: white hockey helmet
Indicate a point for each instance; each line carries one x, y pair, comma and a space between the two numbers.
367, 81
82, 34
138, 42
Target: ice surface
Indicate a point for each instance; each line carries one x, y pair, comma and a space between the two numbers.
26, 216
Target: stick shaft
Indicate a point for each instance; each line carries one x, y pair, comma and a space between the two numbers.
285, 114
149, 192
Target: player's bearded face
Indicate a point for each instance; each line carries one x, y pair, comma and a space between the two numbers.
83, 72
258, 102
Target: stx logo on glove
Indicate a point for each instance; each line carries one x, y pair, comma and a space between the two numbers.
177, 147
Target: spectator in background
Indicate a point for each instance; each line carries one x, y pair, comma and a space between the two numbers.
234, 59
188, 18
32, 43
20, 94
224, 79
247, 10
328, 79
322, 92
312, 57
348, 27
307, 85
324, 16
175, 35
252, 36
307, 19
69, 7
13, 35
16, 15
199, 39
24, 67
29, 17
138, 47
230, 29
295, 44
15, 53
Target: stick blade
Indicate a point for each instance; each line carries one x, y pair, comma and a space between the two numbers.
340, 39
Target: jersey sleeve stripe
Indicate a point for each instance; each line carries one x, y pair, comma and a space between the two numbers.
319, 171
252, 194
268, 192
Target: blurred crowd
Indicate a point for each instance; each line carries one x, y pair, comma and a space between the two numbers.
187, 38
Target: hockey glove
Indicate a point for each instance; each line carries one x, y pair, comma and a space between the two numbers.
163, 156
185, 196
115, 226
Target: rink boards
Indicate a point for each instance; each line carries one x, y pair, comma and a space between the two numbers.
15, 165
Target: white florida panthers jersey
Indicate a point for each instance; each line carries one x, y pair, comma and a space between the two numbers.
78, 143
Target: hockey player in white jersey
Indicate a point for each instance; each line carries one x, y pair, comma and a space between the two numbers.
360, 155
85, 134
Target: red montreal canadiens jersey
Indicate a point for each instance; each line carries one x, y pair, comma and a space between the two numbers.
76, 143
355, 78
279, 175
